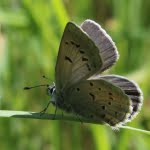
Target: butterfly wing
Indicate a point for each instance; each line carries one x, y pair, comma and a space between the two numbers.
85, 52
100, 101
80, 56
130, 88
107, 48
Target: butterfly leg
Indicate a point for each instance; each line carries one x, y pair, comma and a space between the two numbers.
62, 114
44, 110
55, 111
78, 117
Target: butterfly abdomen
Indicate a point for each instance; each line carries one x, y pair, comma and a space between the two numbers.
61, 103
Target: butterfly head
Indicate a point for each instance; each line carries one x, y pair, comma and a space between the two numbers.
51, 89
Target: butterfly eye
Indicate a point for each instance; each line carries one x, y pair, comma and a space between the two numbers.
50, 90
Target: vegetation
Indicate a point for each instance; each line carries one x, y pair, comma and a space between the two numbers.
30, 33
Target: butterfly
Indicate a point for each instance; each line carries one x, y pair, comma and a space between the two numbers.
85, 52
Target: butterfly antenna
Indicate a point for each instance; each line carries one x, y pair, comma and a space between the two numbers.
45, 77
31, 87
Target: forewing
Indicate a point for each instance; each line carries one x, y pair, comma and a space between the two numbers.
99, 101
78, 57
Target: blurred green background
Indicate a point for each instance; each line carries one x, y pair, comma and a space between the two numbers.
30, 33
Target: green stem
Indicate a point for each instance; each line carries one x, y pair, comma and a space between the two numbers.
136, 129
45, 116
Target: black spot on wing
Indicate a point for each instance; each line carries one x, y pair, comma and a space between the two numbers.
68, 59
84, 59
91, 84
81, 51
92, 95
116, 113
103, 107
88, 67
72, 42
77, 45
110, 98
66, 43
103, 116
110, 93
78, 89
109, 103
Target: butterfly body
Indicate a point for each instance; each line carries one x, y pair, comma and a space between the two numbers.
84, 53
